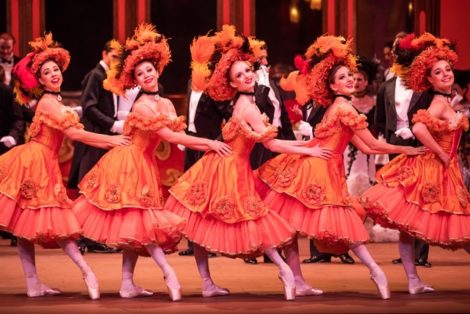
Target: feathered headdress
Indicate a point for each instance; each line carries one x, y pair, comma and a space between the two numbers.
26, 71
311, 80
427, 50
146, 45
212, 57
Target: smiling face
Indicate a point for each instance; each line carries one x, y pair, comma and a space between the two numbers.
50, 76
441, 76
342, 81
146, 76
242, 77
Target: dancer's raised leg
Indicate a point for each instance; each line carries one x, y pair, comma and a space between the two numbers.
293, 260
70, 248
376, 273
171, 281
285, 273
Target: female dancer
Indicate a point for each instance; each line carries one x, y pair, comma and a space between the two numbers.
424, 196
309, 192
33, 203
121, 202
217, 195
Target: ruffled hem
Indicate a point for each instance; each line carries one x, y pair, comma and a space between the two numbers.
333, 225
242, 239
44, 226
389, 207
130, 228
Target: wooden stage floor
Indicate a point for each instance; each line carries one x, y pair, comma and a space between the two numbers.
255, 288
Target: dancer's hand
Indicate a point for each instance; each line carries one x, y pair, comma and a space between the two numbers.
220, 148
119, 140
317, 151
410, 150
445, 158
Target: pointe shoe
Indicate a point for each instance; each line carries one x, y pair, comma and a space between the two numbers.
307, 291
382, 288
424, 288
136, 292
289, 288
171, 280
42, 290
214, 291
93, 292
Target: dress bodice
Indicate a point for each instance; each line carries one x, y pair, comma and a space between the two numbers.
48, 129
242, 138
336, 129
142, 129
446, 134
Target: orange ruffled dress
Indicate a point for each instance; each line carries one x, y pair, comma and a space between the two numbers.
310, 192
121, 203
420, 196
33, 200
217, 196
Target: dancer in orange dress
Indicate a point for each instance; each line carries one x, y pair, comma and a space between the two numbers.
310, 192
217, 195
33, 202
425, 196
121, 202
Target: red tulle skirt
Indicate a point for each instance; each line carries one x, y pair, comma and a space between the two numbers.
130, 228
334, 225
388, 207
240, 239
43, 225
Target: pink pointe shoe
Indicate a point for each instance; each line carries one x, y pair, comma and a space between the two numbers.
92, 286
210, 289
382, 285
174, 288
423, 288
287, 280
135, 292
40, 290
307, 291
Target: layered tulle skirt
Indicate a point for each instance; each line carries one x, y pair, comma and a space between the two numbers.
418, 195
33, 200
121, 203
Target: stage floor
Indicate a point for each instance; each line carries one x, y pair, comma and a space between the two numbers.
254, 288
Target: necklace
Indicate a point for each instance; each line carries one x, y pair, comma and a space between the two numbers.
156, 94
447, 95
343, 96
59, 96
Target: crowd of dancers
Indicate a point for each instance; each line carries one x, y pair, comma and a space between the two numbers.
220, 204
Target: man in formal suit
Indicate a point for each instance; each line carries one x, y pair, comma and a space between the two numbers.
204, 119
312, 115
7, 56
100, 115
13, 121
269, 101
394, 111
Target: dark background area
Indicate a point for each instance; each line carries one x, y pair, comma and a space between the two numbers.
82, 27
286, 39
3, 16
181, 21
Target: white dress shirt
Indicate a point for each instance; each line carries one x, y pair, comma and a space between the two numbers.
193, 101
402, 104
